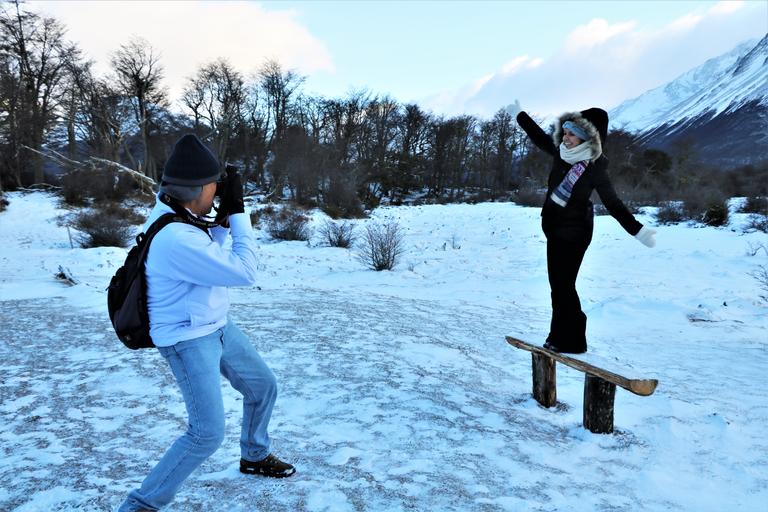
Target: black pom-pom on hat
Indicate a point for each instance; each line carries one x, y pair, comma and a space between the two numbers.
599, 119
191, 164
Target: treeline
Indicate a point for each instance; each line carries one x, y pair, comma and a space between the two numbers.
342, 154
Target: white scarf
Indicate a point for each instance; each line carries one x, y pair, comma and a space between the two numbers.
583, 151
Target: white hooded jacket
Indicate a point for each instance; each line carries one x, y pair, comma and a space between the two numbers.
188, 273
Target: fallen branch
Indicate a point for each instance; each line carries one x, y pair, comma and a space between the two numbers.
56, 157
146, 184
66, 276
141, 178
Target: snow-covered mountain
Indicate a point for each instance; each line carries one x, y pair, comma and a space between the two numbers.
720, 106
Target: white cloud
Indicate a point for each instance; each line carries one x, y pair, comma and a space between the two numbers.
480, 83
189, 34
596, 32
726, 7
687, 22
614, 62
514, 65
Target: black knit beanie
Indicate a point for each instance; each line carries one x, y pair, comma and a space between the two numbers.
599, 119
191, 164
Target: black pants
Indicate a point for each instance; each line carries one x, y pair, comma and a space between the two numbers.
568, 327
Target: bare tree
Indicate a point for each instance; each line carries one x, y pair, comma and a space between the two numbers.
280, 86
139, 76
311, 113
450, 143
194, 98
94, 112
254, 137
376, 147
505, 135
295, 158
412, 142
341, 181
105, 121
216, 96
33, 56
483, 154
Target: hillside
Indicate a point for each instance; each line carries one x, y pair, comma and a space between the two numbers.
720, 107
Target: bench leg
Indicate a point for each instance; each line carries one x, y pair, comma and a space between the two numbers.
544, 380
598, 404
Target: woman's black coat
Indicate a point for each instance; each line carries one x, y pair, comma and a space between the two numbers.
574, 222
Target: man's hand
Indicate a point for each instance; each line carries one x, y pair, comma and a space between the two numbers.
234, 192
222, 212
231, 200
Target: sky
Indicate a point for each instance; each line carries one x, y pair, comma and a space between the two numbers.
450, 57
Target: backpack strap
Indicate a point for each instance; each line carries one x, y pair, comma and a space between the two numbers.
144, 239
160, 223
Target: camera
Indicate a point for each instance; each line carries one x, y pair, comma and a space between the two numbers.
221, 185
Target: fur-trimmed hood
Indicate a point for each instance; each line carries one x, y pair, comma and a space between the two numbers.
594, 121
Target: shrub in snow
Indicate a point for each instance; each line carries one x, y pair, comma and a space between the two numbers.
75, 186
529, 197
716, 213
340, 200
761, 272
761, 275
108, 225
755, 204
670, 213
266, 212
335, 234
289, 224
381, 246
79, 186
3, 203
758, 223
709, 206
97, 230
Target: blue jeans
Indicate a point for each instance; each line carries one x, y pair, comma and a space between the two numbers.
196, 364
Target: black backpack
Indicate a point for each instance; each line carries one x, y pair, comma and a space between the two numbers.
127, 292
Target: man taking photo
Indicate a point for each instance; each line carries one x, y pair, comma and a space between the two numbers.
188, 270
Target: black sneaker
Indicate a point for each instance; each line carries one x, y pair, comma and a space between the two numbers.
270, 466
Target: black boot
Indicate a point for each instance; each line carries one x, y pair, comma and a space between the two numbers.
270, 466
565, 350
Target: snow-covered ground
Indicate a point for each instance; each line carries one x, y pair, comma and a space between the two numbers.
397, 389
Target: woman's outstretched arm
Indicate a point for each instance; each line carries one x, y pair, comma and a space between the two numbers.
543, 141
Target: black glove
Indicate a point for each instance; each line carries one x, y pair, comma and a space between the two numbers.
222, 212
230, 193
234, 192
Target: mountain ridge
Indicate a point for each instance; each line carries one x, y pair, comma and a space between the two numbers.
719, 107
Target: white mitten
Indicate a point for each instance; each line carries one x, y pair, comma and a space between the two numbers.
513, 109
647, 236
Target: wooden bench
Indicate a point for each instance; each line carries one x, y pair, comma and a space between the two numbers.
599, 385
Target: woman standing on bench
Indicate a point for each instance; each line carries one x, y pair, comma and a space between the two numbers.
578, 168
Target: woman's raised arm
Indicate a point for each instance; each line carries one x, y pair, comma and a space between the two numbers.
542, 141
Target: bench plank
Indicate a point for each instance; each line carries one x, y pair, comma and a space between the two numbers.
642, 387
